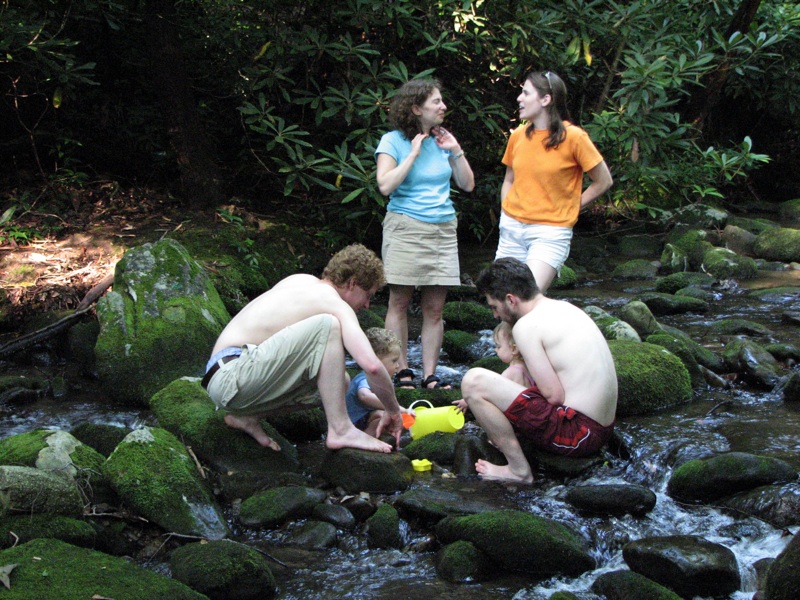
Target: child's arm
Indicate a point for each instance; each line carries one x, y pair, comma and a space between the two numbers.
368, 398
461, 405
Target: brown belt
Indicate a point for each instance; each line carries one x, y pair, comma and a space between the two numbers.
215, 367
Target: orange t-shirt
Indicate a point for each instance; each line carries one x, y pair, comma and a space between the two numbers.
548, 182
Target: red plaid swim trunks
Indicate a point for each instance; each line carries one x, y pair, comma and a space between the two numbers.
556, 429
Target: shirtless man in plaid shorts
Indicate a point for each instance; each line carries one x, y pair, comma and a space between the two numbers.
571, 408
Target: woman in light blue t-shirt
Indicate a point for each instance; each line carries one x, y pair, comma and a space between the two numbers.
416, 161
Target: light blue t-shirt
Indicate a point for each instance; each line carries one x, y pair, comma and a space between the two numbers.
356, 410
425, 193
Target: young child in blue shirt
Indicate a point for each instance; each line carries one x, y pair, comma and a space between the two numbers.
363, 406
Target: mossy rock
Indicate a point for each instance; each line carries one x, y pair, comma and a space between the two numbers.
708, 479
383, 528
184, 409
612, 327
18, 389
789, 211
520, 542
100, 436
468, 316
154, 475
30, 527
738, 326
462, 562
781, 244
272, 508
679, 348
48, 569
694, 243
669, 304
639, 246
29, 490
754, 226
638, 268
438, 447
460, 346
492, 363
650, 378
670, 284
628, 585
162, 317
223, 570
726, 264
368, 318
783, 577
567, 278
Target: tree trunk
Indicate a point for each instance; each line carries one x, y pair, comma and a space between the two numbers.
706, 99
200, 178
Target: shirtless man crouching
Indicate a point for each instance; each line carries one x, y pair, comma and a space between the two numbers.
571, 409
290, 342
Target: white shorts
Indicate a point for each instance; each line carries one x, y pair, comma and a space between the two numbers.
524, 242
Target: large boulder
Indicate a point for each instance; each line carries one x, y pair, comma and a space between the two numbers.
708, 479
48, 569
520, 542
358, 471
650, 377
153, 474
159, 322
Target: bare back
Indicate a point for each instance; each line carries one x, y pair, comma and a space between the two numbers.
291, 300
568, 358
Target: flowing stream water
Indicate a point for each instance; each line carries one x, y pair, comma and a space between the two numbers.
733, 419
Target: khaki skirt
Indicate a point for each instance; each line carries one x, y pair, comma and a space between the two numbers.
418, 253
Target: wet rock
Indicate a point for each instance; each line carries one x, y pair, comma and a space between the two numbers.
690, 565
363, 471
100, 436
520, 542
791, 317
703, 356
313, 535
709, 479
755, 226
694, 291
567, 278
63, 455
163, 305
611, 327
649, 378
783, 577
783, 352
628, 585
778, 505
18, 389
791, 391
611, 499
693, 243
430, 505
383, 528
468, 316
154, 475
752, 362
639, 316
554, 465
469, 448
779, 243
438, 447
674, 259
223, 570
669, 304
19, 529
724, 264
272, 508
48, 568
335, 514
638, 268
34, 491
778, 295
361, 507
462, 562
184, 409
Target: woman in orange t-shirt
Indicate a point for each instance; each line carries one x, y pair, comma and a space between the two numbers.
542, 192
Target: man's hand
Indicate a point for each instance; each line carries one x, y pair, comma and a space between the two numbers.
391, 424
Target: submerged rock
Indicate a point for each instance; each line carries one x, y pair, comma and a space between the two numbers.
783, 576
611, 499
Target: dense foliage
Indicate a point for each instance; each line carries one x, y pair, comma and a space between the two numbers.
288, 99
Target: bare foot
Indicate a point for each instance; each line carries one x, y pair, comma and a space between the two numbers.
356, 439
487, 470
250, 425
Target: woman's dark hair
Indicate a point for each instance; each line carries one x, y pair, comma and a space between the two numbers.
412, 93
507, 276
549, 83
